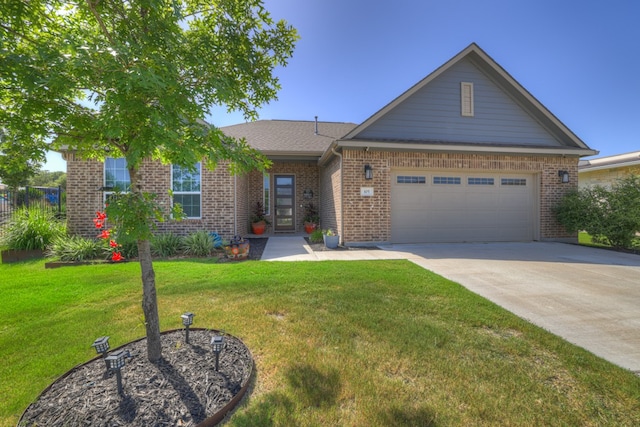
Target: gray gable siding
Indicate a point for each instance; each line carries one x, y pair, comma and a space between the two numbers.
433, 114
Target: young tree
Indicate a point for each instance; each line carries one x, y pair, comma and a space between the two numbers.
135, 78
18, 162
44, 178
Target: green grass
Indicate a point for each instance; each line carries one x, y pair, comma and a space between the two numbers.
368, 343
586, 240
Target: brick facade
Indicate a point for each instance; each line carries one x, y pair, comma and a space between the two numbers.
331, 196
368, 219
222, 211
228, 201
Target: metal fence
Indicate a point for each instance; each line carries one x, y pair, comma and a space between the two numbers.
51, 199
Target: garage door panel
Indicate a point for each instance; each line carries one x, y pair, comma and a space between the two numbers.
480, 208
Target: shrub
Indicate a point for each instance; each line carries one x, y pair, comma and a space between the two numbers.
76, 248
128, 246
32, 229
316, 236
199, 243
609, 215
166, 245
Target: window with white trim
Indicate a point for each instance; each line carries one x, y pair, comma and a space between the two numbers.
266, 193
116, 174
466, 99
185, 183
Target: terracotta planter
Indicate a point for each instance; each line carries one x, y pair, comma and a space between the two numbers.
16, 255
309, 227
258, 227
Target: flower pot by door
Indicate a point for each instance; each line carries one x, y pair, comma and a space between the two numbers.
331, 242
258, 227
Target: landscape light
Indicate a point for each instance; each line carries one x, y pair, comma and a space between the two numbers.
217, 342
102, 346
187, 320
115, 362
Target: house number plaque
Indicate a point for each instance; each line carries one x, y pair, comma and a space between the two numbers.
366, 191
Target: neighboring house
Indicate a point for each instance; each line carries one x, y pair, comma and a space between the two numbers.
604, 171
466, 154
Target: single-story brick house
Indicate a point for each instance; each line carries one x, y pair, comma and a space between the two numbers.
604, 171
466, 154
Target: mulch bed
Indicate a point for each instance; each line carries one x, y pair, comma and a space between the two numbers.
256, 248
182, 389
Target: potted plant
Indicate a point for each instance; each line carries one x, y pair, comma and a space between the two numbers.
331, 239
259, 221
237, 248
311, 218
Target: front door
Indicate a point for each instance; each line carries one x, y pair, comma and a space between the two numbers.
285, 202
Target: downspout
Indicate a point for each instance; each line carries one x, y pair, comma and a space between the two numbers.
235, 205
340, 232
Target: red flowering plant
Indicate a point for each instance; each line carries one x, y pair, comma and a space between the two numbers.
113, 248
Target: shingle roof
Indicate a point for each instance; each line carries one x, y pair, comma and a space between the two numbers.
289, 137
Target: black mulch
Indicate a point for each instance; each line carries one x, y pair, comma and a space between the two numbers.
256, 247
183, 389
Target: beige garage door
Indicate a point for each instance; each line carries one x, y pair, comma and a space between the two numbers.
431, 206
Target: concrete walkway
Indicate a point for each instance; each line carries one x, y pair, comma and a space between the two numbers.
295, 248
590, 297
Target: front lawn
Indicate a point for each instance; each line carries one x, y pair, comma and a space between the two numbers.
365, 343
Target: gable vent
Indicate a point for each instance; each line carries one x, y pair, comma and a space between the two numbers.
466, 99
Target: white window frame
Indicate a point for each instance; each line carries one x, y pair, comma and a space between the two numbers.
107, 193
199, 192
466, 99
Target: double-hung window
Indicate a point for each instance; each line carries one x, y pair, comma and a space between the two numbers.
185, 183
116, 176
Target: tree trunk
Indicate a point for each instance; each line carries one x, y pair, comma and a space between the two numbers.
149, 301
149, 298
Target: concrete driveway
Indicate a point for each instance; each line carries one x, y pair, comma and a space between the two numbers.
590, 297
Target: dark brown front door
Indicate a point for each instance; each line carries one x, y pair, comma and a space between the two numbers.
285, 202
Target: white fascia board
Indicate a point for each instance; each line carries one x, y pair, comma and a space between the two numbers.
588, 168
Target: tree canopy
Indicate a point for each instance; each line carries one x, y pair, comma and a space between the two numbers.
138, 77
135, 79
18, 163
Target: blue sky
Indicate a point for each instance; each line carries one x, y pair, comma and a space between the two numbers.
580, 59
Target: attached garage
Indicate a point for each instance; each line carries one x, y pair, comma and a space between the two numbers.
437, 206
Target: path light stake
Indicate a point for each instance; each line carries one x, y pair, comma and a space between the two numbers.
115, 362
187, 320
102, 347
217, 342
